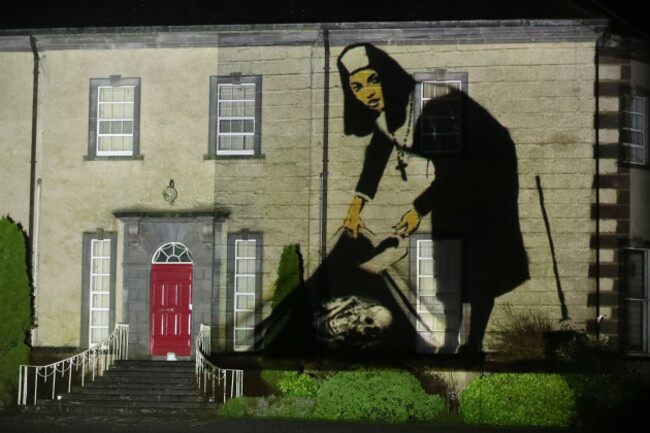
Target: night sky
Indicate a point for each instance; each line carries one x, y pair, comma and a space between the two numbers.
16, 14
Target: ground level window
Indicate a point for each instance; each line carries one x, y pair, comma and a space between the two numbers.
245, 289
635, 300
98, 282
436, 280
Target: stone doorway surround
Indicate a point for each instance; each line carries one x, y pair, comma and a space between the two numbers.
144, 233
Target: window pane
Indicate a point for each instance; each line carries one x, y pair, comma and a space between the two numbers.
225, 92
427, 286
245, 319
100, 301
244, 302
249, 108
225, 109
245, 249
245, 266
244, 337
237, 142
634, 271
425, 267
425, 249
225, 126
432, 304
99, 318
97, 335
237, 92
100, 283
634, 325
249, 92
100, 266
245, 284
225, 142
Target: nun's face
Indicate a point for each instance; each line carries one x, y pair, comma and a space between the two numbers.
366, 87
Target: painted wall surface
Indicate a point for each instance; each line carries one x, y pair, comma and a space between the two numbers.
542, 93
15, 134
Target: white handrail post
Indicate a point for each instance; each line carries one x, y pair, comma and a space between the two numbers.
35, 384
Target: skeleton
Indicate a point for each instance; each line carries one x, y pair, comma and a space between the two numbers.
352, 321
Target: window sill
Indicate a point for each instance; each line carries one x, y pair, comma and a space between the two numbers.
212, 156
114, 158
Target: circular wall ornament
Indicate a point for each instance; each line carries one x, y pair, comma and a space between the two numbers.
170, 193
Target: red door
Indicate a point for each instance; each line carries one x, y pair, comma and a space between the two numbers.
171, 309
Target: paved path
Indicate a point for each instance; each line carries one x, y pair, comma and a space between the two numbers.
48, 423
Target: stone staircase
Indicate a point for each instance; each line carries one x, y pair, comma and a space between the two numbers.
137, 387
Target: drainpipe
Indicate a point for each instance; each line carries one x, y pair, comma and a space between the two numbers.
326, 99
599, 41
32, 174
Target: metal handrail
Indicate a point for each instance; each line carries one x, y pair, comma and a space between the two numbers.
92, 362
209, 377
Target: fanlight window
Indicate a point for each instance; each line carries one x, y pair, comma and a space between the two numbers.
173, 252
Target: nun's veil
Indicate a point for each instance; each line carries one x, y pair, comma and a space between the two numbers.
396, 84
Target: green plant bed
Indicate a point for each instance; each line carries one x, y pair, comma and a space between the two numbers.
386, 396
524, 399
268, 407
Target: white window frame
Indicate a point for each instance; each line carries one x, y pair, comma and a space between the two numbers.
100, 121
220, 117
442, 79
419, 260
643, 301
93, 291
635, 152
237, 346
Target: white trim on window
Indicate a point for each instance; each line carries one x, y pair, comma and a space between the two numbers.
245, 283
236, 123
636, 300
99, 299
634, 137
115, 120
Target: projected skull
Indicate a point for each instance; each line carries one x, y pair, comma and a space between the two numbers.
352, 321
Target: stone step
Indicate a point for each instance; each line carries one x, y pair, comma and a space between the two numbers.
137, 387
188, 391
131, 397
152, 376
88, 409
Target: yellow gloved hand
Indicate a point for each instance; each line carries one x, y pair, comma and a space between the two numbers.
408, 224
353, 222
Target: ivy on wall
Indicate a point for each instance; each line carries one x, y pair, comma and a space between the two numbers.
15, 307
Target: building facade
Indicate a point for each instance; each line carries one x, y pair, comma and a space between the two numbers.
160, 173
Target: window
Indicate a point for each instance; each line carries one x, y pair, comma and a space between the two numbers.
634, 130
438, 107
235, 116
114, 118
98, 280
436, 282
636, 300
245, 288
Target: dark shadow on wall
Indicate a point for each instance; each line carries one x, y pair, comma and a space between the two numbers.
473, 198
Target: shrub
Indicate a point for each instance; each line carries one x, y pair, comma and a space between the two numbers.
15, 307
520, 336
271, 379
300, 385
388, 396
530, 399
290, 273
235, 407
267, 407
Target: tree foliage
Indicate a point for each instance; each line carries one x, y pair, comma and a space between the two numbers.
15, 306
